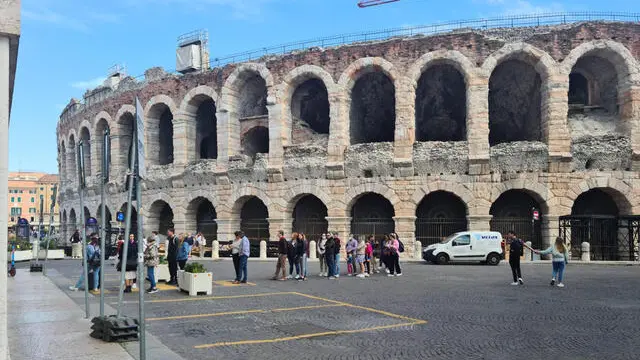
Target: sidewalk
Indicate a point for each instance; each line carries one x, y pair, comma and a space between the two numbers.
45, 323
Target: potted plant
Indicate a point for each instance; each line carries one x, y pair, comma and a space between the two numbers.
54, 252
162, 270
23, 250
195, 279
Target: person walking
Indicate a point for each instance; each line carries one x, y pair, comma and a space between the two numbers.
131, 262
244, 252
560, 258
282, 258
330, 257
516, 250
172, 256
321, 250
350, 249
151, 260
235, 256
93, 267
184, 249
337, 249
360, 256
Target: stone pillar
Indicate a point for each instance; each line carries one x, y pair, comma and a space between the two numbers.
226, 142
527, 253
341, 225
585, 254
338, 134
405, 227
277, 224
312, 250
478, 125
629, 103
277, 138
417, 250
263, 250
479, 222
215, 250
226, 228
555, 128
183, 128
405, 132
550, 229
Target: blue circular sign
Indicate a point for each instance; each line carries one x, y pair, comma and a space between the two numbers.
120, 216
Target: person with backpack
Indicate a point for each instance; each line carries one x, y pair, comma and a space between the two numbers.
93, 267
516, 250
282, 257
329, 255
172, 254
151, 260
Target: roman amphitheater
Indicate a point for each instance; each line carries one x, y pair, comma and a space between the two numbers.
420, 135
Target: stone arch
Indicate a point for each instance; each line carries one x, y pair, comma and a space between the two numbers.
295, 193
355, 192
624, 62
201, 214
124, 134
309, 216
439, 214
86, 138
536, 190
544, 64
160, 113
199, 107
101, 115
618, 190
241, 195
101, 122
160, 216
253, 216
189, 104
450, 57
372, 213
62, 159
456, 189
362, 66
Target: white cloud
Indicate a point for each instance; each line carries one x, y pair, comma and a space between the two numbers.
88, 84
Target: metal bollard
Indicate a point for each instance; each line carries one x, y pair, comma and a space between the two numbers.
263, 250
528, 253
313, 252
215, 250
417, 250
585, 254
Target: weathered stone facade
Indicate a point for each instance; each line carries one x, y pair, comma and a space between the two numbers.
542, 155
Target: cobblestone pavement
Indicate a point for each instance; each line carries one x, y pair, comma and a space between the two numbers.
438, 312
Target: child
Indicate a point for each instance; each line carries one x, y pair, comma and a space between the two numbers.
368, 256
560, 257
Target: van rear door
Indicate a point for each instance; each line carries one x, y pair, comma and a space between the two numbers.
461, 248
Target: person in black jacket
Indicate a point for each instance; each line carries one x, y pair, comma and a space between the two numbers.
282, 257
516, 250
131, 262
330, 255
172, 255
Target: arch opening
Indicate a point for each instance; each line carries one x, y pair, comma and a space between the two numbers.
254, 217
206, 135
513, 211
256, 141
515, 102
85, 137
160, 217
100, 128
73, 221
160, 133
252, 99
205, 215
72, 172
372, 214
578, 90
134, 218
125, 138
310, 111
309, 217
373, 109
441, 104
439, 215
62, 160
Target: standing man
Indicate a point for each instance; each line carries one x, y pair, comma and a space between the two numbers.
282, 257
337, 249
245, 250
329, 254
172, 256
515, 251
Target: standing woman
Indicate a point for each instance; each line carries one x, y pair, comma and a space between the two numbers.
291, 254
151, 260
302, 248
235, 255
183, 251
321, 250
131, 263
560, 258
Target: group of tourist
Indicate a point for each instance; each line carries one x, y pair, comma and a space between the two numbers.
363, 256
559, 258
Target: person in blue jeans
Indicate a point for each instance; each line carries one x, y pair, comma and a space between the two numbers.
151, 260
93, 266
245, 250
338, 247
560, 257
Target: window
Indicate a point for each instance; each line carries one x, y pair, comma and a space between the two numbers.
16, 211
21, 191
41, 189
32, 210
32, 219
13, 199
19, 198
462, 240
33, 199
13, 219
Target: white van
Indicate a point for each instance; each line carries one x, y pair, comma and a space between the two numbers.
467, 246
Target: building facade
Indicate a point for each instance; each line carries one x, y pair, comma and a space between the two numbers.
422, 136
27, 190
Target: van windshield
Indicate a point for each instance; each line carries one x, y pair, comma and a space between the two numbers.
448, 238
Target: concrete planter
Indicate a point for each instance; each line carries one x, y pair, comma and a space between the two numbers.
22, 255
195, 283
162, 272
56, 254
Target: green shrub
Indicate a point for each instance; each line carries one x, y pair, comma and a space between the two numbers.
53, 244
195, 268
163, 260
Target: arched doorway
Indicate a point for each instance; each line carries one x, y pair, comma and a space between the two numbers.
85, 137
513, 211
309, 111
73, 222
439, 215
256, 141
107, 219
206, 136
309, 217
160, 217
373, 109
253, 219
134, 219
201, 211
372, 214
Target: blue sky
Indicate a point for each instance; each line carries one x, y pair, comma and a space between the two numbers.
68, 46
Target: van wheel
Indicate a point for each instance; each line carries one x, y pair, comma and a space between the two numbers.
493, 259
442, 259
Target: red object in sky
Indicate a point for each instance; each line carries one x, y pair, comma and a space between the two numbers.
367, 3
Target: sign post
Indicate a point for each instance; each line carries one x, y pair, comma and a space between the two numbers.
105, 178
51, 208
139, 174
81, 186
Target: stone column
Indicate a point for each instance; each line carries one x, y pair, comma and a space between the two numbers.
555, 128
341, 225
405, 227
277, 138
405, 132
550, 229
226, 228
629, 103
478, 125
277, 224
182, 125
479, 222
4, 185
338, 134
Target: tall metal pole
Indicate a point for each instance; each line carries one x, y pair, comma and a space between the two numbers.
105, 178
127, 229
139, 171
52, 207
81, 185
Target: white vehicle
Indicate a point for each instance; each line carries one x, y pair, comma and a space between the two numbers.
467, 246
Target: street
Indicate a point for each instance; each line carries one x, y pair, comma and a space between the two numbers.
440, 312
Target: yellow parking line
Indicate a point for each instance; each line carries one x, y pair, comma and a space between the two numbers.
230, 283
305, 336
213, 297
239, 312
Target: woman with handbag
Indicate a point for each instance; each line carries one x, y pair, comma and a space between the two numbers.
131, 263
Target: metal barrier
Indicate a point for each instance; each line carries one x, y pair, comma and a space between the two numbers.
611, 238
433, 230
376, 227
524, 228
